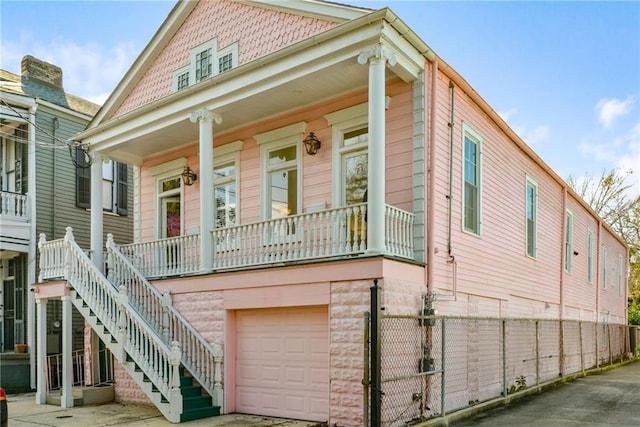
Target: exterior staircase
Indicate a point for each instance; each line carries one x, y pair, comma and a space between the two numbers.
155, 345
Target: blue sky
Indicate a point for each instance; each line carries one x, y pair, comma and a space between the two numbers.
564, 75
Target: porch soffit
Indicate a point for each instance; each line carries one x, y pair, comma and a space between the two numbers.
254, 92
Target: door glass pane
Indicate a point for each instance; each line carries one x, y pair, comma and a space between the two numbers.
171, 216
170, 184
282, 155
356, 174
225, 205
284, 197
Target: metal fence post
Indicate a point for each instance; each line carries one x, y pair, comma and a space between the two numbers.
504, 358
442, 368
376, 374
365, 375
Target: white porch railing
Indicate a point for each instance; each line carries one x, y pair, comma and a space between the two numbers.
200, 358
331, 233
134, 337
14, 205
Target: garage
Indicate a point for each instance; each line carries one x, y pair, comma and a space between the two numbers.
282, 362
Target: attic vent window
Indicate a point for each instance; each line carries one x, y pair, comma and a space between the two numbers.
203, 65
205, 62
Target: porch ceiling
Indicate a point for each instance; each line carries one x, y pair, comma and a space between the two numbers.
244, 107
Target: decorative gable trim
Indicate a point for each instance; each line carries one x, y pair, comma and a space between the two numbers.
332, 12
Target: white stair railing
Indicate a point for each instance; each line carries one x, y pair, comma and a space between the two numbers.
200, 358
134, 337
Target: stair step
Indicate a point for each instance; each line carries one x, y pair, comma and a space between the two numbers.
196, 414
186, 381
195, 402
191, 390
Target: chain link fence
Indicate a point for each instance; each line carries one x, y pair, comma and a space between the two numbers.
430, 366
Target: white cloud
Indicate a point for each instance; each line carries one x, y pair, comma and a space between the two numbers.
622, 152
610, 109
506, 115
90, 70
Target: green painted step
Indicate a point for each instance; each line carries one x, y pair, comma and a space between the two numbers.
197, 414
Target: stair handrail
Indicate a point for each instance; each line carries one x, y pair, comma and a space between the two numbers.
157, 360
200, 358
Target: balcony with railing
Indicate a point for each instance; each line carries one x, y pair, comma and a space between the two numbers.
15, 221
329, 234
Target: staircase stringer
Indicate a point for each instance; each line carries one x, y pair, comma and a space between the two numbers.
201, 359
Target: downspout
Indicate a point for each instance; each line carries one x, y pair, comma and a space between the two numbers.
598, 270
431, 178
450, 258
452, 88
563, 252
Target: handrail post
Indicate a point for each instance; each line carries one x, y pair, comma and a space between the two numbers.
218, 391
176, 395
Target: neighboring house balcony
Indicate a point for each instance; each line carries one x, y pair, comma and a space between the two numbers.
326, 234
15, 222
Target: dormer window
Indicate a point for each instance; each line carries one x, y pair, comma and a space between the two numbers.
205, 61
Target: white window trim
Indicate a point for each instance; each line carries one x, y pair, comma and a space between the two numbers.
590, 253
160, 173
230, 153
468, 130
620, 275
531, 182
568, 241
272, 140
177, 73
605, 270
341, 122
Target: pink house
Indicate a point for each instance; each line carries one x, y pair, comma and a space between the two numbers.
256, 129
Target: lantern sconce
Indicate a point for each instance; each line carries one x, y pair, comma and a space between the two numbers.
188, 176
311, 144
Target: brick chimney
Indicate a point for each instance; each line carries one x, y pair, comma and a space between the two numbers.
42, 72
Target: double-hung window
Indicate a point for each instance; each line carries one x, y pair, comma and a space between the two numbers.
590, 256
115, 184
472, 189
281, 166
605, 268
532, 216
620, 276
225, 184
568, 242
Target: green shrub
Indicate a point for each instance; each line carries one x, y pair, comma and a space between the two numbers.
634, 313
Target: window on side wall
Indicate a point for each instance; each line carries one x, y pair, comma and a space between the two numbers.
568, 242
605, 268
590, 256
620, 276
472, 181
531, 195
115, 184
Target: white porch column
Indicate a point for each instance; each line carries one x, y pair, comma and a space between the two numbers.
377, 58
96, 211
41, 359
207, 201
66, 400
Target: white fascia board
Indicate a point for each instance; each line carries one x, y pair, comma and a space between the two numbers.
410, 63
16, 99
312, 8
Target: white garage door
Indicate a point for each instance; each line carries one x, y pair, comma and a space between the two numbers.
282, 362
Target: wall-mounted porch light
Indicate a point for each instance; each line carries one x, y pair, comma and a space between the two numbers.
311, 144
188, 176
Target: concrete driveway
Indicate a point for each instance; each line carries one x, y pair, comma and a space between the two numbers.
23, 412
611, 398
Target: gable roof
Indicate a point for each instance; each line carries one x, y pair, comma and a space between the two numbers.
322, 10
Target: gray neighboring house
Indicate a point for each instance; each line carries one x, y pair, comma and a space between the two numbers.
44, 187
